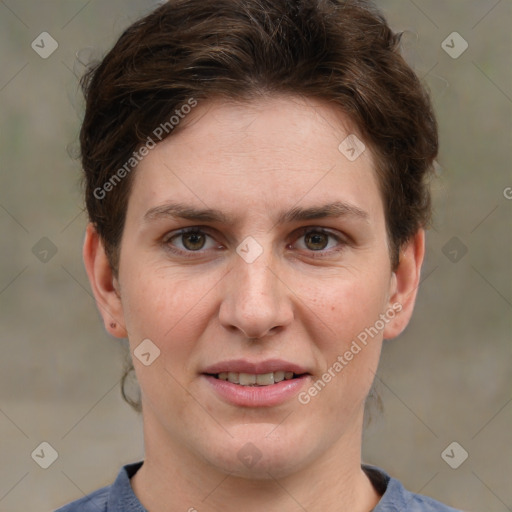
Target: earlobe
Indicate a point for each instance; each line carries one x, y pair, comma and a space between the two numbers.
404, 285
103, 283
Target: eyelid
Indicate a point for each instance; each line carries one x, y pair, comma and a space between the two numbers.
204, 230
183, 231
318, 229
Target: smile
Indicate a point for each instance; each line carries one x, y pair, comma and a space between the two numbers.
266, 383
253, 379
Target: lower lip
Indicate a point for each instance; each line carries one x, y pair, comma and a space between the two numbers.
256, 396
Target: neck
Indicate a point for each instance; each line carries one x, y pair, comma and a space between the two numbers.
172, 479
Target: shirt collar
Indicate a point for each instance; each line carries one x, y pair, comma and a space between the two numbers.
393, 495
121, 497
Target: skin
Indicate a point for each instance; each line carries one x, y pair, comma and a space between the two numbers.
252, 161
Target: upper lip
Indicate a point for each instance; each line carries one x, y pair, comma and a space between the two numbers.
254, 367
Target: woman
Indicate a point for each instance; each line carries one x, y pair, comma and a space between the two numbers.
256, 182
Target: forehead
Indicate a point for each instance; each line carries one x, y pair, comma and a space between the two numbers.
266, 153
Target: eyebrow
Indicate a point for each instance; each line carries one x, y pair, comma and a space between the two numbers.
335, 209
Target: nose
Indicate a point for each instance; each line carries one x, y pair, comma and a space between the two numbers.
256, 301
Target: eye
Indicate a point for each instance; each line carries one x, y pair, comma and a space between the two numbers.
189, 240
319, 240
195, 241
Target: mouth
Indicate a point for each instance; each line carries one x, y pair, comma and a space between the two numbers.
256, 379
246, 383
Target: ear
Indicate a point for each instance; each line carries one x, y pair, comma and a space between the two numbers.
404, 285
103, 283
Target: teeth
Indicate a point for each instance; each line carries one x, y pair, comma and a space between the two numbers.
234, 377
250, 379
247, 379
278, 376
265, 379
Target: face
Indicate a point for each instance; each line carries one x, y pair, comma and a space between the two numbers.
255, 250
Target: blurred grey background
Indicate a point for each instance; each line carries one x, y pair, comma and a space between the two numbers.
446, 379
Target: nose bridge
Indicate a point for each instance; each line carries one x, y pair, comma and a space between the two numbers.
256, 280
255, 300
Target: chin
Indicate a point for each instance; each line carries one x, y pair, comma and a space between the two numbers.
259, 454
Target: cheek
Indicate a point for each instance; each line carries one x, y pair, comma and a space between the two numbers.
345, 312
348, 356
170, 311
344, 306
159, 306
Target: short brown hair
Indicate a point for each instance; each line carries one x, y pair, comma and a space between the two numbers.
342, 52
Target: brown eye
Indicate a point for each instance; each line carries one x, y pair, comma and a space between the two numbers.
188, 241
316, 241
193, 241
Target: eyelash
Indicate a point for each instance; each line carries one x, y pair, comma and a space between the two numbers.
301, 233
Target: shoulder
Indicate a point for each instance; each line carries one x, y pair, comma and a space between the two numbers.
396, 497
413, 502
94, 502
118, 497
